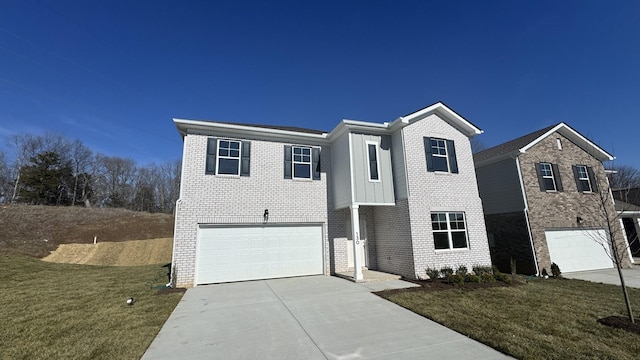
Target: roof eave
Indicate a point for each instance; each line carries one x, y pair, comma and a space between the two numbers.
446, 113
577, 138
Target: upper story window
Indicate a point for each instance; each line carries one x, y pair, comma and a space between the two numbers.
301, 162
585, 179
228, 157
548, 177
441, 155
449, 230
372, 156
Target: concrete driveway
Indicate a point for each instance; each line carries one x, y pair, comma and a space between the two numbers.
317, 317
609, 276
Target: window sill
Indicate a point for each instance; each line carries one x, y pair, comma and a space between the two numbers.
302, 179
442, 173
227, 176
451, 250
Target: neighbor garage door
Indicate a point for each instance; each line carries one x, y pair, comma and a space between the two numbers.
578, 250
237, 253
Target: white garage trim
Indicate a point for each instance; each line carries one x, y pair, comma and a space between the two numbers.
579, 250
240, 252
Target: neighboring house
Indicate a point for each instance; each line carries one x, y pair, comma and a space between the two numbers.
627, 206
261, 201
541, 195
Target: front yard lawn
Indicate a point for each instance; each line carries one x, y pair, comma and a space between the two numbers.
64, 311
545, 319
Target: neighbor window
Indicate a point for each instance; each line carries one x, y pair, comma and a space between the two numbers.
548, 177
585, 179
441, 155
301, 162
228, 157
372, 155
449, 230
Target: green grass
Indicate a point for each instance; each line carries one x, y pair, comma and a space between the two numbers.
64, 311
545, 319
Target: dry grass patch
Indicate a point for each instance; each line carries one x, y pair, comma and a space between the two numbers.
124, 253
64, 311
546, 319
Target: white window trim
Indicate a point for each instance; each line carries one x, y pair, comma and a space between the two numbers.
449, 231
445, 156
586, 171
293, 163
552, 177
375, 144
218, 157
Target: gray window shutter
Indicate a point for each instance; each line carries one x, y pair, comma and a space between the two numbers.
245, 160
556, 177
540, 179
592, 178
315, 162
451, 153
287, 162
427, 150
576, 175
212, 150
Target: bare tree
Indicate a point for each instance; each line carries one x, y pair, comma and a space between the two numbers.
624, 177
612, 240
82, 159
115, 180
5, 179
477, 145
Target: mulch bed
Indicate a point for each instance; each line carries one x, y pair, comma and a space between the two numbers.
442, 285
621, 322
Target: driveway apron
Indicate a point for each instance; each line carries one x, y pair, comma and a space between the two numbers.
609, 276
317, 317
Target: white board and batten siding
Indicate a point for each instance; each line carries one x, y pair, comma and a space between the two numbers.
253, 252
579, 250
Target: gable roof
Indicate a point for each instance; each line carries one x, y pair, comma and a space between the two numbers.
443, 111
520, 145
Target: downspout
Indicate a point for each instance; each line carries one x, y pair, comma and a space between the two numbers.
526, 217
172, 270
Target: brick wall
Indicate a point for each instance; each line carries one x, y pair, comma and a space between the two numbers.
548, 210
211, 199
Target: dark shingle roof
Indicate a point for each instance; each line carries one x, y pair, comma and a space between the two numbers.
284, 128
510, 146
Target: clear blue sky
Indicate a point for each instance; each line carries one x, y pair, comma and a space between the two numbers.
114, 73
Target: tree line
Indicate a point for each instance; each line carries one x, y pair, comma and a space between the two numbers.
51, 169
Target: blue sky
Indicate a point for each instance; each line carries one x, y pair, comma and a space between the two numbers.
114, 73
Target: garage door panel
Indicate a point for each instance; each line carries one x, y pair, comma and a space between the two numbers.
578, 250
227, 254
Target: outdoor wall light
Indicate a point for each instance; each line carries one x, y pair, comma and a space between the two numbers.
265, 217
579, 220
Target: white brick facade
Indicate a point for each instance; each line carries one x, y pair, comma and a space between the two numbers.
399, 237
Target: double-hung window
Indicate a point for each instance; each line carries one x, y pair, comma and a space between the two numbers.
585, 178
548, 177
301, 162
441, 155
449, 230
372, 156
228, 157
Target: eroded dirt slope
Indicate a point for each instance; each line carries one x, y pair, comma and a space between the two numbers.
122, 253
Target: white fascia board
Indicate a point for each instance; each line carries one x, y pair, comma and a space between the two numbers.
356, 125
577, 139
185, 126
446, 113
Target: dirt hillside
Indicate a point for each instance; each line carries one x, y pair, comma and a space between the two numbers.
124, 253
38, 230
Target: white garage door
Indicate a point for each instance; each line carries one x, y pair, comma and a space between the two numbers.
226, 254
578, 250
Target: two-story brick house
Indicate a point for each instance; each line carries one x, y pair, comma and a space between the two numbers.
546, 199
261, 201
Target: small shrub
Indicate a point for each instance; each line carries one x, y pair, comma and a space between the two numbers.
433, 274
462, 271
555, 270
456, 279
472, 278
487, 278
481, 270
503, 277
446, 272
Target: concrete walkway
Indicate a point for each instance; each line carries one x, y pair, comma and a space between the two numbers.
317, 317
609, 276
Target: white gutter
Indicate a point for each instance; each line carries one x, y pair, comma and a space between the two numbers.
526, 217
